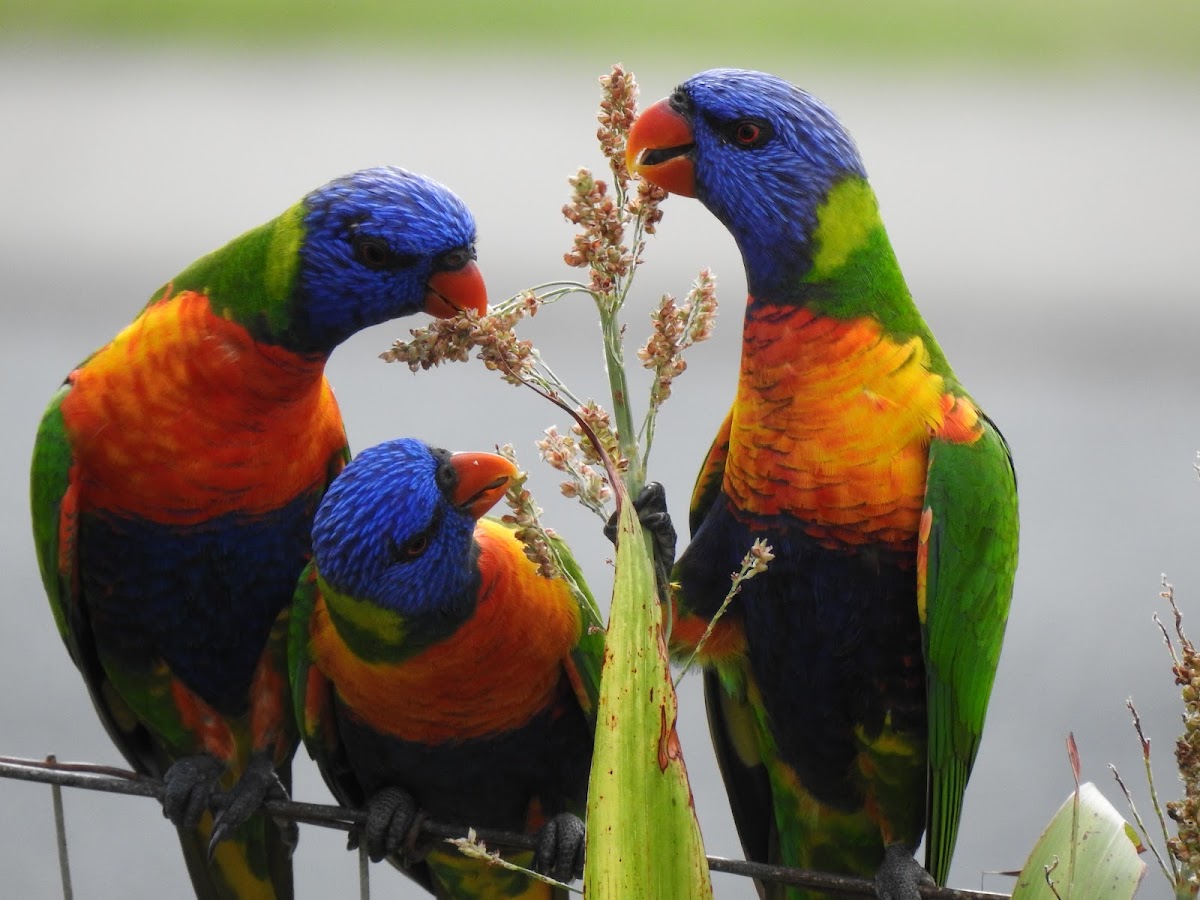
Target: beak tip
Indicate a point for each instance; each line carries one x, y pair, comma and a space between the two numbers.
634, 149
661, 127
448, 293
483, 479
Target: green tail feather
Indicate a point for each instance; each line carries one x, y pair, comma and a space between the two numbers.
457, 877
255, 864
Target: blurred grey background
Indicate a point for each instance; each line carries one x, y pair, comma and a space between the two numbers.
1038, 179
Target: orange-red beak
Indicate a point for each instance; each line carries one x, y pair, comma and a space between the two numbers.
659, 148
448, 293
482, 480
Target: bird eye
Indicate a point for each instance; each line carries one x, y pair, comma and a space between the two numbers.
747, 133
414, 547
410, 549
751, 132
374, 253
371, 251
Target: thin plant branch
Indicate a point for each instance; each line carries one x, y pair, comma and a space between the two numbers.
1173, 874
1137, 818
472, 847
755, 561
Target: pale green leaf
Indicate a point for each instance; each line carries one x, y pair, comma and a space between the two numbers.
643, 841
1086, 852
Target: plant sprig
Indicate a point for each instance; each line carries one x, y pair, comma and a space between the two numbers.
755, 562
614, 219
1180, 865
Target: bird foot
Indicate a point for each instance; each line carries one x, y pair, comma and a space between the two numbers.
257, 784
392, 827
188, 788
559, 852
651, 506
899, 876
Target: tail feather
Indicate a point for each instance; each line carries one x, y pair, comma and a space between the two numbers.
457, 877
254, 864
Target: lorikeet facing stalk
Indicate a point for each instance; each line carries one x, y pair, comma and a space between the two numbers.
847, 686
175, 478
434, 668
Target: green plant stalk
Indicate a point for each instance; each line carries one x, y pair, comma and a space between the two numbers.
643, 840
1174, 875
1147, 842
614, 363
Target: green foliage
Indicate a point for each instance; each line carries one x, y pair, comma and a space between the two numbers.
1087, 852
757, 32
643, 840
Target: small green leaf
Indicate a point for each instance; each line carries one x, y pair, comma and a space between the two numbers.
1087, 852
1131, 833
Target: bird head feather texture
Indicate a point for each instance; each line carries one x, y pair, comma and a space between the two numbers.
779, 170
368, 247
765, 155
396, 528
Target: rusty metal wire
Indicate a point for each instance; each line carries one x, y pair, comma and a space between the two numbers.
122, 781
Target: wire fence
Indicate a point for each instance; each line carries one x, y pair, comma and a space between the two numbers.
89, 776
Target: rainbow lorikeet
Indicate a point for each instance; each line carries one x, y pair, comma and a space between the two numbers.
175, 478
435, 669
847, 685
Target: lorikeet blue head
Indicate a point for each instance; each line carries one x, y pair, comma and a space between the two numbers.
378, 244
396, 527
759, 152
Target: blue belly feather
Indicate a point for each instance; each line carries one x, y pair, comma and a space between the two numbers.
202, 598
833, 641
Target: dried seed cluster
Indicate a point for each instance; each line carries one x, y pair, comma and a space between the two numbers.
675, 328
585, 482
1185, 846
526, 517
453, 339
605, 216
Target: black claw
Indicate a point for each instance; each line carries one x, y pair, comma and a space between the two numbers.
559, 852
289, 834
188, 788
899, 875
610, 529
257, 784
393, 823
651, 506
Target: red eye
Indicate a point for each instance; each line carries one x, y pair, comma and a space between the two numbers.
409, 550
747, 133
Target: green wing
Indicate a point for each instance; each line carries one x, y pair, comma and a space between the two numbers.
967, 559
54, 503
312, 696
587, 657
53, 500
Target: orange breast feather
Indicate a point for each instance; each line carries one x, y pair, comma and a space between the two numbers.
184, 416
499, 668
832, 424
